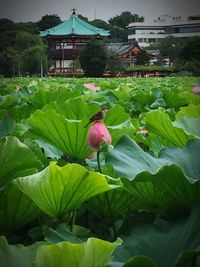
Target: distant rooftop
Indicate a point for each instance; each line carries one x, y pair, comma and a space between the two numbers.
74, 26
167, 20
122, 48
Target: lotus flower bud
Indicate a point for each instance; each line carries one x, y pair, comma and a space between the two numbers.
98, 133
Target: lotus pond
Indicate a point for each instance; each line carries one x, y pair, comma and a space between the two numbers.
136, 204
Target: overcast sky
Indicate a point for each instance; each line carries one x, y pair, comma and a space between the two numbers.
33, 10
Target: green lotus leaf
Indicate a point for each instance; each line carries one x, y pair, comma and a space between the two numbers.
70, 136
192, 111
186, 158
121, 203
128, 159
174, 98
57, 190
61, 233
138, 261
7, 125
157, 182
16, 255
118, 123
188, 257
159, 122
16, 209
93, 253
162, 242
166, 189
16, 159
77, 109
188, 119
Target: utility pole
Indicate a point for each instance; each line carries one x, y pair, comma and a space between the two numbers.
41, 69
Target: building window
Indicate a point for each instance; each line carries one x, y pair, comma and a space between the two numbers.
152, 40
64, 45
131, 31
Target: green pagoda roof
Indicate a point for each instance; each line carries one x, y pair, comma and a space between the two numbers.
74, 26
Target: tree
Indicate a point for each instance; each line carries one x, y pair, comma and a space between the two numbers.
100, 24
189, 57
32, 58
8, 62
93, 58
170, 47
191, 49
118, 34
26, 40
124, 19
48, 21
142, 58
32, 52
114, 63
30, 27
83, 18
7, 33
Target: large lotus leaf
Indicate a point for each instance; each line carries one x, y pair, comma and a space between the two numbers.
16, 209
128, 159
187, 258
174, 98
158, 181
163, 190
136, 261
78, 109
118, 123
68, 135
159, 122
7, 124
139, 261
189, 125
16, 159
16, 255
46, 94
121, 203
188, 119
61, 233
143, 98
192, 111
162, 242
191, 97
186, 158
57, 190
93, 253
116, 115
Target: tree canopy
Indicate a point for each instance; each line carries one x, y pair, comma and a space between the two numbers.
48, 21
93, 58
124, 19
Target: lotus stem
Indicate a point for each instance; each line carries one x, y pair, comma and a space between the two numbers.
73, 219
107, 198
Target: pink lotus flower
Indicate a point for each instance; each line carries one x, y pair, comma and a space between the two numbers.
98, 133
91, 87
196, 90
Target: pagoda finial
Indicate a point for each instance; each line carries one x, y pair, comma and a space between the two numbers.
74, 10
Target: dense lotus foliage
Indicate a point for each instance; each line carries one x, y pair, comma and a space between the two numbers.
134, 202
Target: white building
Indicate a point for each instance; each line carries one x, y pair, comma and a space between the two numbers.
148, 33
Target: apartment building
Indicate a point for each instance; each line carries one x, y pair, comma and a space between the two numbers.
148, 33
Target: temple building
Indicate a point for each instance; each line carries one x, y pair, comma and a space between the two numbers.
127, 51
66, 40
